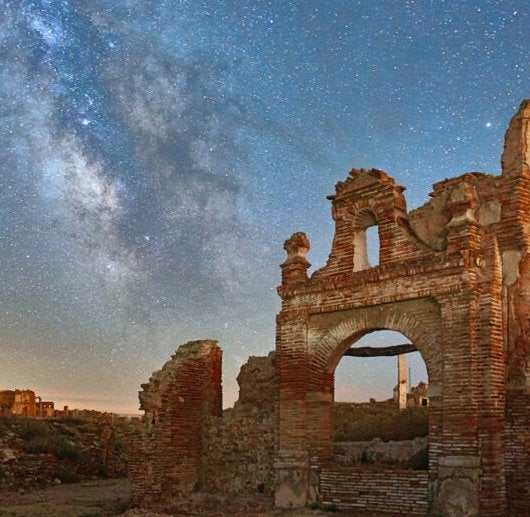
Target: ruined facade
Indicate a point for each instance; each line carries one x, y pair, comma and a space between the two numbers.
454, 278
18, 402
25, 403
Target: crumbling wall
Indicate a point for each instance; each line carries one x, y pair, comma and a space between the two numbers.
453, 276
18, 402
179, 400
239, 448
404, 454
185, 445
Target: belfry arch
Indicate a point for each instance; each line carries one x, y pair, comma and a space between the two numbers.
363, 220
453, 277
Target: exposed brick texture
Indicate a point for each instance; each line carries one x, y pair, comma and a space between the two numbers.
239, 447
178, 402
454, 277
188, 445
375, 490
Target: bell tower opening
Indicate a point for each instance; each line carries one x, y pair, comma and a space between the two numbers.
365, 241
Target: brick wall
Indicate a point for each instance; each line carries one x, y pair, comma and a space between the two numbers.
239, 447
517, 451
454, 277
375, 490
178, 401
187, 445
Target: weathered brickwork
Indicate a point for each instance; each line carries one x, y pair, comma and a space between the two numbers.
187, 445
239, 447
454, 277
376, 490
518, 452
178, 401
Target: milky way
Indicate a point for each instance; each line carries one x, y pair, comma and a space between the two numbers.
155, 155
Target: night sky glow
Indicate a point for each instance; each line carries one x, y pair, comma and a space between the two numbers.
155, 155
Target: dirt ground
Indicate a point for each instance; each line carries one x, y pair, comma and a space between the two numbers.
88, 499
112, 497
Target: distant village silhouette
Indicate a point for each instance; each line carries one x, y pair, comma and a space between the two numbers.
25, 403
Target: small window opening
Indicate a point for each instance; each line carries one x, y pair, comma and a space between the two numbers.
365, 241
372, 245
366, 248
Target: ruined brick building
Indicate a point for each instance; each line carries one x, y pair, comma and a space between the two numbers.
26, 403
453, 277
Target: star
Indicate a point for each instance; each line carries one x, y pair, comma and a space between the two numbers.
155, 154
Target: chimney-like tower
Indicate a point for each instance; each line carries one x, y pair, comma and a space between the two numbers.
516, 155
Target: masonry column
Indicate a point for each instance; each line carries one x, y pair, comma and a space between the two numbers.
402, 381
459, 463
490, 361
514, 240
292, 461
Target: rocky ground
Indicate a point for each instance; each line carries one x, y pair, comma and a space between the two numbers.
105, 497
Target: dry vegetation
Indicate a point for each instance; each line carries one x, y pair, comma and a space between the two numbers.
40, 452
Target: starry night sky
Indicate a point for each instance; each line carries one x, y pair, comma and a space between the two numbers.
154, 155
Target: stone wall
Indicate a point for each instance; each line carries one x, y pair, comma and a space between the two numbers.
405, 454
239, 448
96, 451
167, 451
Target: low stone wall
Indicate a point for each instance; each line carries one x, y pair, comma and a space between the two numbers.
375, 490
99, 454
33, 470
403, 454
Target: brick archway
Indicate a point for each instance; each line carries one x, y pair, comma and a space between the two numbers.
453, 276
419, 320
330, 335
447, 302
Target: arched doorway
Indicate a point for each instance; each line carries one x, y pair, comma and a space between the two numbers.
380, 394
445, 295
330, 337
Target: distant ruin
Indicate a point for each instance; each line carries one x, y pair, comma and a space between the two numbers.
453, 277
26, 403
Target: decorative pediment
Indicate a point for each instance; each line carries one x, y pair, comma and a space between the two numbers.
362, 179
